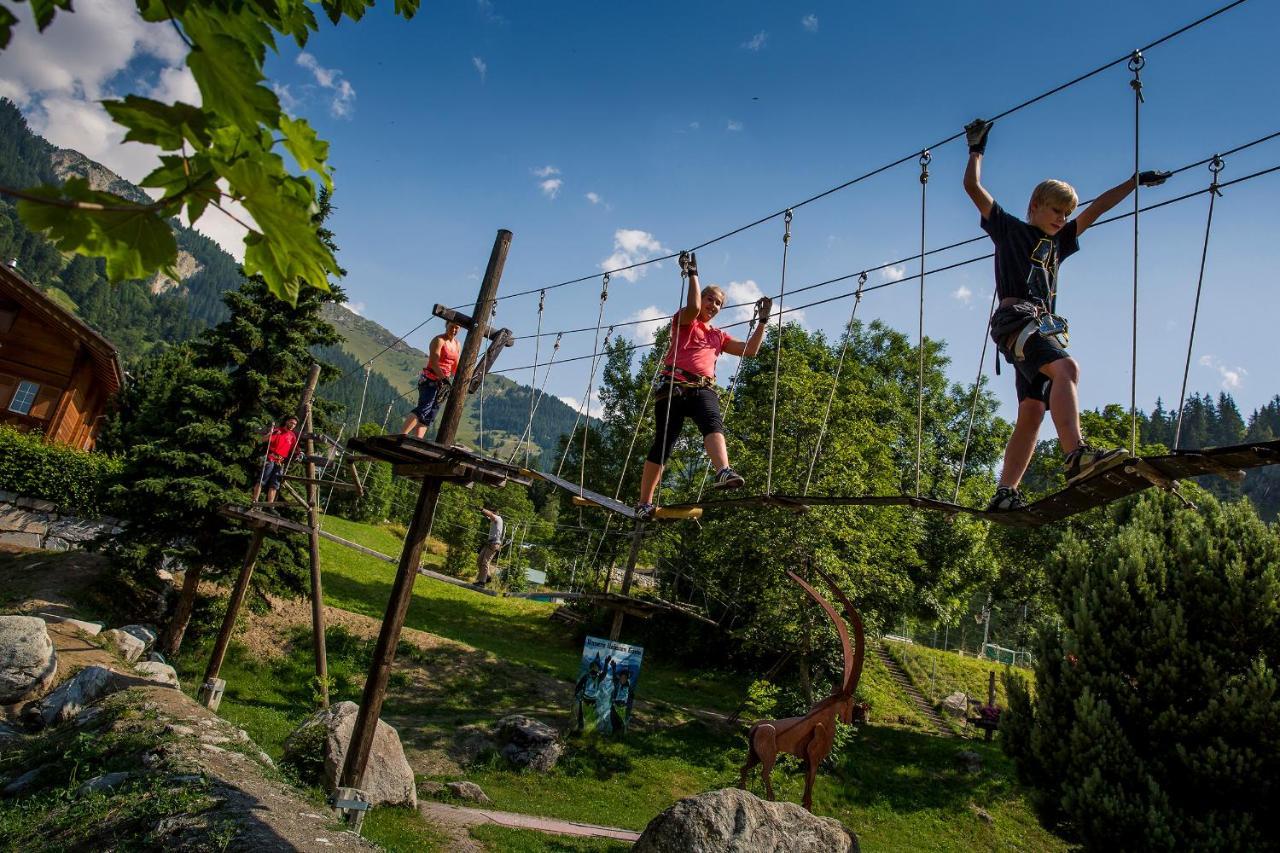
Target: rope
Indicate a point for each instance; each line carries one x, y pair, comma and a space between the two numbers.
673, 347
925, 157
533, 374
526, 437
844, 346
977, 386
604, 297
1215, 166
777, 353
1136, 61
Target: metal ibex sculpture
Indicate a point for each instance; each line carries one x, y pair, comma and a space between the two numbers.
810, 737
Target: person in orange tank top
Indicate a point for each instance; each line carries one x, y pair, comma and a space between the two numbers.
687, 383
435, 381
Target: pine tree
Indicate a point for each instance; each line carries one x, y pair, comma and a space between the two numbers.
1155, 724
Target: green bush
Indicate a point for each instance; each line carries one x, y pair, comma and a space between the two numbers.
1155, 718
75, 480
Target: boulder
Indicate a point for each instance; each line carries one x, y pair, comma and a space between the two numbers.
161, 673
526, 742
388, 779
956, 705
93, 629
28, 661
969, 761
70, 697
22, 783
129, 646
733, 820
102, 784
145, 633
469, 791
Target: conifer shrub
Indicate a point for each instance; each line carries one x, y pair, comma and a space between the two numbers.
1156, 720
75, 480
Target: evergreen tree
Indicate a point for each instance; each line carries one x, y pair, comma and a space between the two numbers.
1155, 723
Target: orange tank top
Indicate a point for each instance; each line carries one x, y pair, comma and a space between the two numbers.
449, 352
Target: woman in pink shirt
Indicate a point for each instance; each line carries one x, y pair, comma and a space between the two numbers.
687, 383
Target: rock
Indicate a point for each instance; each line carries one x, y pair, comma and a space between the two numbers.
388, 779
22, 540
956, 705
156, 657
468, 791
28, 661
36, 504
428, 788
981, 813
22, 783
179, 729
161, 673
103, 783
164, 575
526, 742
734, 820
147, 634
70, 697
129, 646
969, 761
265, 759
93, 629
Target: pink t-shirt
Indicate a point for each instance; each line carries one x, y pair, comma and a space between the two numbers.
698, 344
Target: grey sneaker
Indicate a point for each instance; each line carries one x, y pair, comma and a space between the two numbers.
1086, 460
645, 511
727, 478
1007, 500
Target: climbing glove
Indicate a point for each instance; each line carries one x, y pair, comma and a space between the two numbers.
1153, 178
975, 133
763, 306
688, 263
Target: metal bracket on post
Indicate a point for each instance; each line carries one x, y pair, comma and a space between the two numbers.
498, 341
352, 803
466, 321
210, 694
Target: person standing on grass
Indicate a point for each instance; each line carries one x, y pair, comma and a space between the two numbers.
281, 442
489, 550
435, 380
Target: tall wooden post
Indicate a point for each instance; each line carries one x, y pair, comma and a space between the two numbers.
313, 521
211, 692
384, 652
637, 538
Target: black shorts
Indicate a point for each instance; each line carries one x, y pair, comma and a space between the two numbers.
701, 404
1031, 384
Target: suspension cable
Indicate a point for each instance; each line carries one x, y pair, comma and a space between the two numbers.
925, 158
604, 297
1215, 166
673, 350
1136, 62
729, 398
777, 352
977, 387
844, 346
533, 374
526, 437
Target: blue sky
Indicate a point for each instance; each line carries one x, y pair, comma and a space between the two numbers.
599, 131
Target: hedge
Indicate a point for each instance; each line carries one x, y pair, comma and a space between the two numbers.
75, 480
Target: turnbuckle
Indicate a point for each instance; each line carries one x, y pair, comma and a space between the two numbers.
604, 290
925, 159
786, 219
1215, 166
1136, 63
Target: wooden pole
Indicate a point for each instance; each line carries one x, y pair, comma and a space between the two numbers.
313, 521
214, 668
637, 538
384, 652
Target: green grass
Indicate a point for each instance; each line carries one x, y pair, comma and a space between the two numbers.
937, 673
888, 703
513, 629
402, 830
528, 841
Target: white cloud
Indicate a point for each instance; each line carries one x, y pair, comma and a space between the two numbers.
356, 308
1232, 377
481, 66
897, 273
744, 294
288, 101
756, 42
962, 294
344, 94
176, 84
632, 246
486, 9
645, 332
595, 410
594, 198
551, 187
810, 23
546, 171
733, 126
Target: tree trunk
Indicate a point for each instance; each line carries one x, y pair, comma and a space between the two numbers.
177, 626
806, 685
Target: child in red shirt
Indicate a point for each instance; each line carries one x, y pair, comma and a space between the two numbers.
687, 383
280, 444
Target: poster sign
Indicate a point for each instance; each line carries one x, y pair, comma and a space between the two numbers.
606, 687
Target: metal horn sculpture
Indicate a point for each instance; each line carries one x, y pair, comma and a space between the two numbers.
810, 737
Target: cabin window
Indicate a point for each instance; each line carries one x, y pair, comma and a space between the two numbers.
24, 397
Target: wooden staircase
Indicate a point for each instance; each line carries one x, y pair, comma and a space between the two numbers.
900, 677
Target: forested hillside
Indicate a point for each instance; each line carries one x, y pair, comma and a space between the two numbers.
139, 316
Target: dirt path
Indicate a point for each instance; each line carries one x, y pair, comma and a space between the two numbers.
900, 677
443, 813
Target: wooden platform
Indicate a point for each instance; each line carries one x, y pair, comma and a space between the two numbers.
586, 497
416, 458
1129, 477
258, 518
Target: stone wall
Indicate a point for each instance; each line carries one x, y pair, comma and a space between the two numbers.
33, 523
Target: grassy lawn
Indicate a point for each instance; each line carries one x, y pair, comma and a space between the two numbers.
513, 629
937, 673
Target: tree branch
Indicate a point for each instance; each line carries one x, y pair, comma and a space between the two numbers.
71, 204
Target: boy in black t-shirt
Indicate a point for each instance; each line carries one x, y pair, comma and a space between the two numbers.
1025, 329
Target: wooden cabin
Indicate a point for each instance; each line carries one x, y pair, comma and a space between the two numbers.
56, 373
